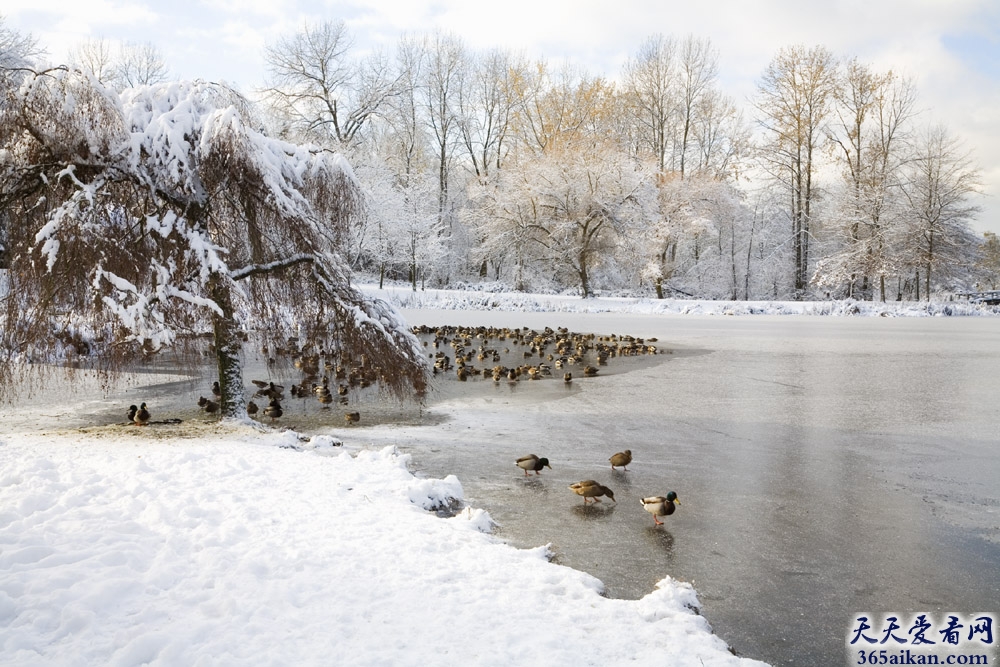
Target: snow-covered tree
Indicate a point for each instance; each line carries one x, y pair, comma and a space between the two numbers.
138, 221
870, 133
937, 244
16, 51
988, 264
566, 209
793, 100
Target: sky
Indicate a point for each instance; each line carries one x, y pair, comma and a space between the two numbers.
950, 48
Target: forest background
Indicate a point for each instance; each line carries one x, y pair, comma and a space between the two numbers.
485, 165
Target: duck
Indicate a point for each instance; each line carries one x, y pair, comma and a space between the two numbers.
208, 405
273, 409
252, 408
588, 488
532, 462
132, 409
141, 416
660, 505
352, 417
216, 389
621, 459
325, 398
269, 389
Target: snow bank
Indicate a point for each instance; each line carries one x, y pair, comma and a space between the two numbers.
493, 299
234, 547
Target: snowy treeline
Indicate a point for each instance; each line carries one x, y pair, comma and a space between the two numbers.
483, 164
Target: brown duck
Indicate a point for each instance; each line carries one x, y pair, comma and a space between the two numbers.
621, 459
590, 489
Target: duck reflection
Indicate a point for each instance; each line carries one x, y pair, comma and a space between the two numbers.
594, 511
661, 539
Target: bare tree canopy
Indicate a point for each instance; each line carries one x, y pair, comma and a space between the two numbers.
321, 92
135, 221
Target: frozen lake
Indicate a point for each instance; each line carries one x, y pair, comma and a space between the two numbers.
825, 465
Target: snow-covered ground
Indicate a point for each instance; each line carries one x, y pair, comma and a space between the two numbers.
229, 544
492, 297
224, 545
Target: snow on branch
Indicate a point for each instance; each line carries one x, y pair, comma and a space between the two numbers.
256, 269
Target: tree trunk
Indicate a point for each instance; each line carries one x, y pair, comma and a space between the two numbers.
584, 277
930, 260
227, 352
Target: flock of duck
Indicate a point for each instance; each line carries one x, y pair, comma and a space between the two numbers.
475, 351
273, 393
485, 351
591, 489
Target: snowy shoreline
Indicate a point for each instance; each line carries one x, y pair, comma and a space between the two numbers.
481, 298
224, 545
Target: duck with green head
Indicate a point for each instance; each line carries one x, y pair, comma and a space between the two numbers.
660, 505
532, 462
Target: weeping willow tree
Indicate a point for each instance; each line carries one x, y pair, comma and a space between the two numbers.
137, 221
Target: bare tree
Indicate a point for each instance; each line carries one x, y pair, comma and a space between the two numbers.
17, 51
399, 138
444, 76
940, 186
96, 57
721, 135
651, 80
487, 103
698, 69
793, 98
138, 65
323, 92
141, 220
869, 130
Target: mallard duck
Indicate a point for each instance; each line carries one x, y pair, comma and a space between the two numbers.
588, 488
325, 398
216, 389
660, 505
352, 417
273, 409
269, 389
132, 409
141, 416
252, 408
208, 405
621, 459
532, 462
